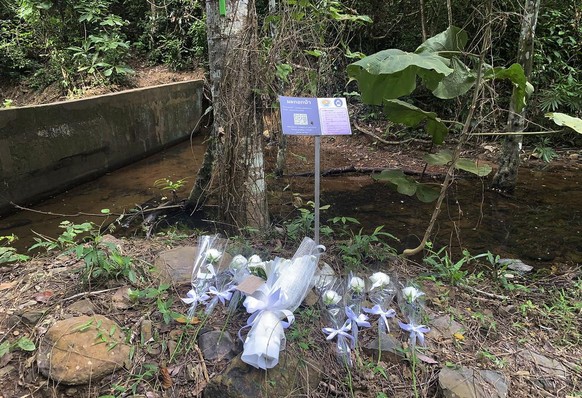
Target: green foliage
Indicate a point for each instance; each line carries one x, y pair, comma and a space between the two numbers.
444, 157
303, 224
84, 42
102, 260
544, 151
309, 64
16, 45
448, 271
516, 75
411, 116
362, 249
408, 186
391, 74
558, 58
23, 343
175, 34
165, 184
8, 254
562, 119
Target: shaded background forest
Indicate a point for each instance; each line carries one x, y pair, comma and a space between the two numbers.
78, 44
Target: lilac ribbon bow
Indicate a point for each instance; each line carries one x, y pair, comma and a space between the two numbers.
274, 302
222, 296
342, 332
416, 331
356, 320
377, 310
193, 298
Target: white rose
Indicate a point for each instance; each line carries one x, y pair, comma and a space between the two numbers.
257, 266
330, 297
238, 262
357, 285
411, 293
254, 259
379, 279
213, 255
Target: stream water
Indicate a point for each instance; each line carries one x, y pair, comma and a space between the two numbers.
541, 224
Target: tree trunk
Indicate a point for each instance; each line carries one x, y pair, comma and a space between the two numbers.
505, 179
233, 162
423, 21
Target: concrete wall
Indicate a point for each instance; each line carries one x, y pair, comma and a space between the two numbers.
47, 148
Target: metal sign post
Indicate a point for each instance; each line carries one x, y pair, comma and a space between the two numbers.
316, 189
316, 117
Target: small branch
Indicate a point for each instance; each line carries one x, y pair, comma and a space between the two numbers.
486, 294
353, 169
50, 213
86, 294
383, 141
520, 132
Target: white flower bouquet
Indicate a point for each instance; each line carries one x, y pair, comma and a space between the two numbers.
411, 302
271, 306
204, 275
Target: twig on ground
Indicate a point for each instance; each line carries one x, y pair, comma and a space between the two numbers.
95, 293
487, 294
383, 141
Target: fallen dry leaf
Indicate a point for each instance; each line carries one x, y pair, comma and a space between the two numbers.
426, 359
184, 320
166, 378
7, 285
43, 297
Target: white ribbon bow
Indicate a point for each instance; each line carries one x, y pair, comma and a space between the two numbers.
384, 315
416, 331
343, 331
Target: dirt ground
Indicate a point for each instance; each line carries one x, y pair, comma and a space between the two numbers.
498, 324
145, 76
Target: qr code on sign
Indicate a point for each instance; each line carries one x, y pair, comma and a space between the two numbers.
300, 119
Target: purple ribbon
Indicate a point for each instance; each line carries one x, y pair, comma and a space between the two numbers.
356, 320
273, 302
416, 331
342, 332
193, 298
222, 296
377, 310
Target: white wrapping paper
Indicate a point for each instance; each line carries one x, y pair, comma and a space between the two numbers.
272, 305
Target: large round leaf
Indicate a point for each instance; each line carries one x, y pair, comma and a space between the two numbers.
404, 184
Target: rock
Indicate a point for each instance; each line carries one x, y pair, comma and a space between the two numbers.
310, 299
175, 266
216, 345
287, 379
444, 327
6, 370
390, 348
470, 383
515, 265
146, 331
546, 367
82, 349
82, 307
31, 317
110, 240
120, 299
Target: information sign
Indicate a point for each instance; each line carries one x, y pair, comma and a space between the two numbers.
314, 116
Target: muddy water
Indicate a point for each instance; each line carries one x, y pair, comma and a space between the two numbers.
541, 224
119, 190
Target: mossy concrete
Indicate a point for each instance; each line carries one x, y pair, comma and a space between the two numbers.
45, 149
